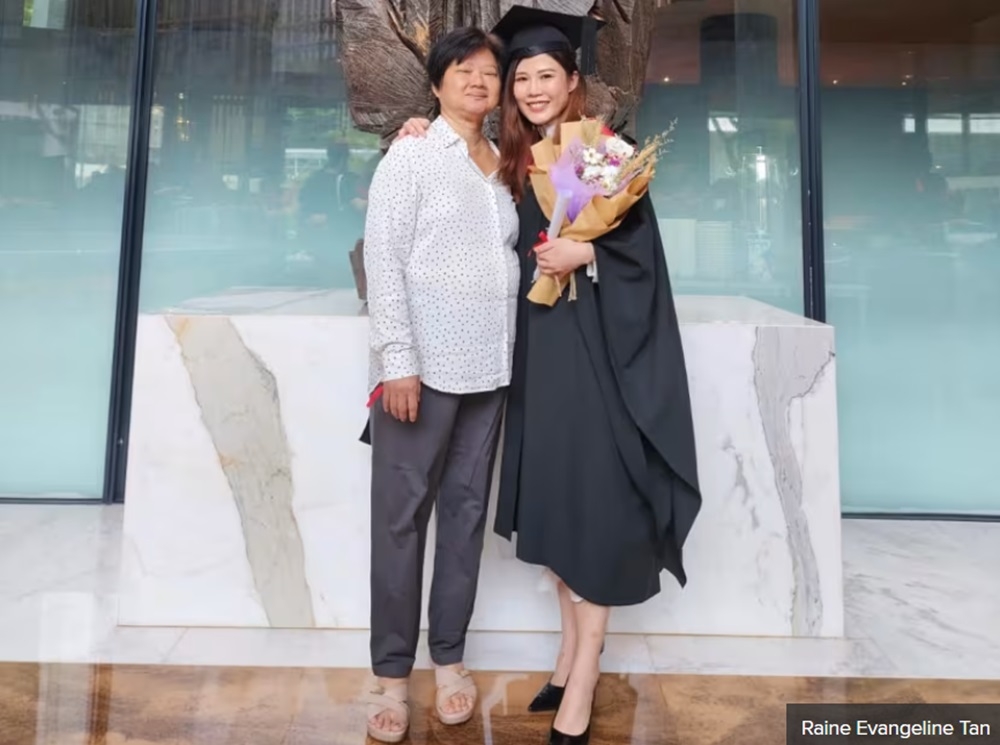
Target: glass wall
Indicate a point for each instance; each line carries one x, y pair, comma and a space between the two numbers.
728, 194
911, 145
257, 194
257, 181
65, 77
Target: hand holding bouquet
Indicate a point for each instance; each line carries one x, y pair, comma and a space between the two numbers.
594, 179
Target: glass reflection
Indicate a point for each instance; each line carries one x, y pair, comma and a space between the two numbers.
728, 193
64, 116
911, 105
257, 182
258, 179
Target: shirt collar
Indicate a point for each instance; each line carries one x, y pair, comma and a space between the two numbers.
444, 132
441, 131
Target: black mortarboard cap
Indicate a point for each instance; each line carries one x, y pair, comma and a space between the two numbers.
528, 32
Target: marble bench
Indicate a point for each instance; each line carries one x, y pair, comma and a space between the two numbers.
247, 493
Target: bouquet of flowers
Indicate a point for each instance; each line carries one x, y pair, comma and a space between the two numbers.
586, 187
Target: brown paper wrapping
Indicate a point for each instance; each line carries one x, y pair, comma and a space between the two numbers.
600, 216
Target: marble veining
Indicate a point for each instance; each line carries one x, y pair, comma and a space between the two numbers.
263, 412
920, 602
927, 592
240, 407
803, 365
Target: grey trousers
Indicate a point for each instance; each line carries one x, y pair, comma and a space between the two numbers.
444, 458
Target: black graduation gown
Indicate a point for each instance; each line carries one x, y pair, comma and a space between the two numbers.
599, 477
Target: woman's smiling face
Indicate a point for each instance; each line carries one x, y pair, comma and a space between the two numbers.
542, 88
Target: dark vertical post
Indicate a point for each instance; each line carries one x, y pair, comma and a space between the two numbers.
810, 137
588, 47
130, 266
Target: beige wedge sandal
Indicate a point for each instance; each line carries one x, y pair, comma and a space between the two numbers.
388, 700
451, 683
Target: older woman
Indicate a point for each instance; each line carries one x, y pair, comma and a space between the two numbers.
442, 295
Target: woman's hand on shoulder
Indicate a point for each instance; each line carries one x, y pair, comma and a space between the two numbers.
414, 127
561, 256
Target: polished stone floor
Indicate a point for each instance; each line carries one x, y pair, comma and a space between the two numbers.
923, 599
63, 704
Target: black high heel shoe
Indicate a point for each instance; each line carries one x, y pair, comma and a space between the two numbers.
549, 697
561, 738
558, 738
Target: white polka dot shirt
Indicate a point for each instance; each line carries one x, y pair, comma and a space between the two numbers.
441, 267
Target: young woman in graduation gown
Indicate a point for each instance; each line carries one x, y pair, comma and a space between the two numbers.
598, 478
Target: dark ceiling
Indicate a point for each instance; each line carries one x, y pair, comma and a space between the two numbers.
873, 42
856, 21
909, 21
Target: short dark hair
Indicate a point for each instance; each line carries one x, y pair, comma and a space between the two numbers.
337, 154
457, 46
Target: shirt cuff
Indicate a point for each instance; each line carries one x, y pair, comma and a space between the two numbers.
400, 363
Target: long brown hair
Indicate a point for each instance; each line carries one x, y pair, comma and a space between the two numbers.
517, 134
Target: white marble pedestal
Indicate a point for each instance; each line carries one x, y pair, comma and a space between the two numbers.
247, 495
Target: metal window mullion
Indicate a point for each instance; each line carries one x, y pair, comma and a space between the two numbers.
130, 257
810, 138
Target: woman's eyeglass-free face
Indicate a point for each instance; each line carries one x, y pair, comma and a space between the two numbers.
542, 88
471, 87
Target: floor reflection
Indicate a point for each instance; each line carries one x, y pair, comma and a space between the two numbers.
115, 705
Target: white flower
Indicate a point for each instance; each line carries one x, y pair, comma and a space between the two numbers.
610, 172
592, 173
617, 147
592, 156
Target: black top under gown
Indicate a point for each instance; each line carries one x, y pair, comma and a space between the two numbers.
599, 476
